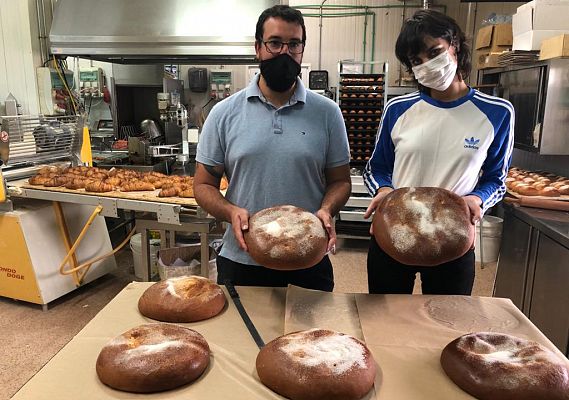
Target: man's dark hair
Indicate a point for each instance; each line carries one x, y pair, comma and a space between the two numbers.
437, 25
283, 12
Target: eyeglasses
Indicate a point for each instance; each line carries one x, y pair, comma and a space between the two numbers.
276, 46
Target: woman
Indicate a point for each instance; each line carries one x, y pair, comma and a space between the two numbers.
445, 135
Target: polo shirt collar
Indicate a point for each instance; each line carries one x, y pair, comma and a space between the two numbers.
299, 94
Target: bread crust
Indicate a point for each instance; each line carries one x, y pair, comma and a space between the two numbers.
495, 366
317, 364
424, 226
182, 299
153, 358
286, 238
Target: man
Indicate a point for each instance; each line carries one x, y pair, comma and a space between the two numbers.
278, 143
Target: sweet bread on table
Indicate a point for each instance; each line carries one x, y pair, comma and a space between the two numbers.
496, 366
182, 299
153, 358
317, 364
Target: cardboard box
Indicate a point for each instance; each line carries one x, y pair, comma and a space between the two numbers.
494, 38
532, 40
486, 60
557, 46
541, 15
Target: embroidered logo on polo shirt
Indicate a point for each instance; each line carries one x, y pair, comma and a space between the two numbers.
302, 133
471, 143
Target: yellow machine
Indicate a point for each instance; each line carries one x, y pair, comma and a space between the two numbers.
32, 249
47, 248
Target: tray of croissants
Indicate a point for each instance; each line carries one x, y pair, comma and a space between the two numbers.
117, 182
537, 184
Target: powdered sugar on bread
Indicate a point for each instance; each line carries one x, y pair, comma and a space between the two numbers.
286, 237
338, 352
423, 226
139, 343
509, 362
191, 286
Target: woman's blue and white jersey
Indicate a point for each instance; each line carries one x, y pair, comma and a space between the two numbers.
464, 146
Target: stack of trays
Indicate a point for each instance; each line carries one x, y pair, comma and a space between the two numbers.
361, 99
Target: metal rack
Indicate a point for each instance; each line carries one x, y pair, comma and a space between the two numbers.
34, 141
361, 99
28, 141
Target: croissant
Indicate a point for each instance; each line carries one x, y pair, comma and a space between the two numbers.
113, 180
187, 193
137, 186
57, 181
158, 184
49, 170
96, 172
77, 183
149, 178
169, 192
168, 184
98, 187
98, 175
38, 180
224, 183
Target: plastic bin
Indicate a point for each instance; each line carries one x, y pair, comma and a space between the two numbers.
185, 261
136, 247
491, 237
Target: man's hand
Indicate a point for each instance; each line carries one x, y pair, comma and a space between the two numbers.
239, 223
326, 219
474, 204
375, 202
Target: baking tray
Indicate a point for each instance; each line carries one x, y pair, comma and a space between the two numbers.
520, 196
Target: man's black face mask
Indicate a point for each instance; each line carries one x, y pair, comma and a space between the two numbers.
280, 72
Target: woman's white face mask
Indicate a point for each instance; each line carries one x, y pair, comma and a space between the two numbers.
436, 73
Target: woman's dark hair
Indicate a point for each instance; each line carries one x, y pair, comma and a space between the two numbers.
286, 13
437, 25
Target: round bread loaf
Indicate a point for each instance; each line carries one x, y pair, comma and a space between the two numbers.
286, 238
152, 358
495, 366
423, 226
317, 364
182, 299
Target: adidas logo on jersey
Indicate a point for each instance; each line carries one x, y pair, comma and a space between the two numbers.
471, 143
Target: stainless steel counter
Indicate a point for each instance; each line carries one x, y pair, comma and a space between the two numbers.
554, 224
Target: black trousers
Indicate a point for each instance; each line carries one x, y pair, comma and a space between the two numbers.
319, 277
385, 275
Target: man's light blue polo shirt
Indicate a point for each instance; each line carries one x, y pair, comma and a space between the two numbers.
273, 156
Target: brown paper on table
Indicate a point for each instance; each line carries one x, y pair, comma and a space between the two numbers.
71, 374
406, 334
307, 309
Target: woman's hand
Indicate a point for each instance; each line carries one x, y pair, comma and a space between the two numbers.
375, 202
474, 204
240, 223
